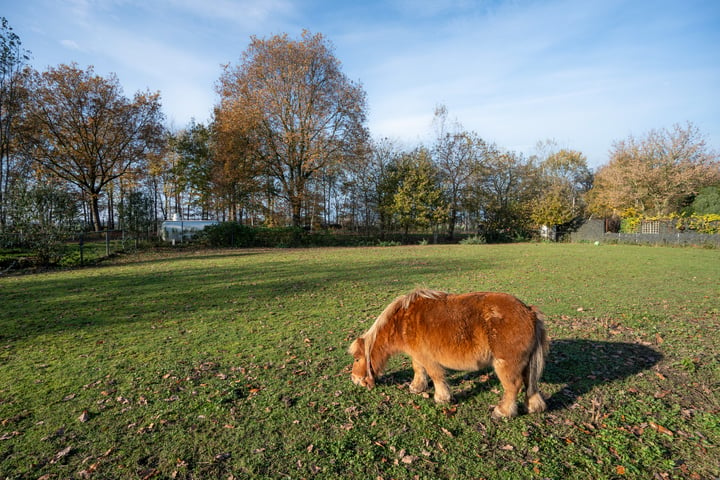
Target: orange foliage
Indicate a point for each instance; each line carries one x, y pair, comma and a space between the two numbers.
292, 110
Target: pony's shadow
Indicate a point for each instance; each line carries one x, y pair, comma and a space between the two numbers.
579, 366
576, 365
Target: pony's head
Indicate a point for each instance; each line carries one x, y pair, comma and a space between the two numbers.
361, 369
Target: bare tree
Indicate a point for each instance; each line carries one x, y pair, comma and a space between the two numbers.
12, 60
459, 156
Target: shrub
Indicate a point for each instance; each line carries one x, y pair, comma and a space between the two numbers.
228, 234
474, 240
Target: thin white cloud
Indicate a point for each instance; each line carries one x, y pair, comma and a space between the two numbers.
70, 44
247, 14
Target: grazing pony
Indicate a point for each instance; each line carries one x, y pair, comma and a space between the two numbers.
469, 331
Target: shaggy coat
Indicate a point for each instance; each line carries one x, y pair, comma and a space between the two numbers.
467, 332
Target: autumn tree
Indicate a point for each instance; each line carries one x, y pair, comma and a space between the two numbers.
237, 175
564, 178
85, 131
290, 100
12, 60
657, 174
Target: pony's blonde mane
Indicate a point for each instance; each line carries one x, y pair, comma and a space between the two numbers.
401, 302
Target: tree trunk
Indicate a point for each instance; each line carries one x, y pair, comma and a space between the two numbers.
2, 188
95, 211
296, 207
111, 208
451, 224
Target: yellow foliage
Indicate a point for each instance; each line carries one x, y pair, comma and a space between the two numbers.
708, 223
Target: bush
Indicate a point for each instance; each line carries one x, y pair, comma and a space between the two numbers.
474, 240
236, 235
228, 234
388, 243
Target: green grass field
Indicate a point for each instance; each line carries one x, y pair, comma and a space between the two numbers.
233, 364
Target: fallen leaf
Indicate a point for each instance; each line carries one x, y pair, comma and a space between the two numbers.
507, 447
620, 470
148, 474
61, 454
660, 428
9, 435
84, 417
447, 432
449, 412
87, 473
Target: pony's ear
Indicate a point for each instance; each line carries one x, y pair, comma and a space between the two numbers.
357, 348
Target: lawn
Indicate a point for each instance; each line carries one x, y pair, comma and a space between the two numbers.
233, 364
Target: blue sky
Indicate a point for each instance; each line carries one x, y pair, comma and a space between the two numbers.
585, 73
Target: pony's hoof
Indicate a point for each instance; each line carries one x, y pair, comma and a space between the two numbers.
442, 399
536, 404
417, 389
498, 414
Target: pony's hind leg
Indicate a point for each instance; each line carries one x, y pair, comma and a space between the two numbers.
512, 381
420, 381
534, 400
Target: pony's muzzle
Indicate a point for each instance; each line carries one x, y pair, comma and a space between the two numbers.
368, 382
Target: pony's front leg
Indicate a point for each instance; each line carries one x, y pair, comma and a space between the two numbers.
420, 382
442, 391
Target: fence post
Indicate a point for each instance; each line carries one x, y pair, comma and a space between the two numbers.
107, 243
82, 248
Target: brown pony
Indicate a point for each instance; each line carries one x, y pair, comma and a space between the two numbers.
459, 332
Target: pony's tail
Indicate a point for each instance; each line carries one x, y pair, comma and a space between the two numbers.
536, 364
